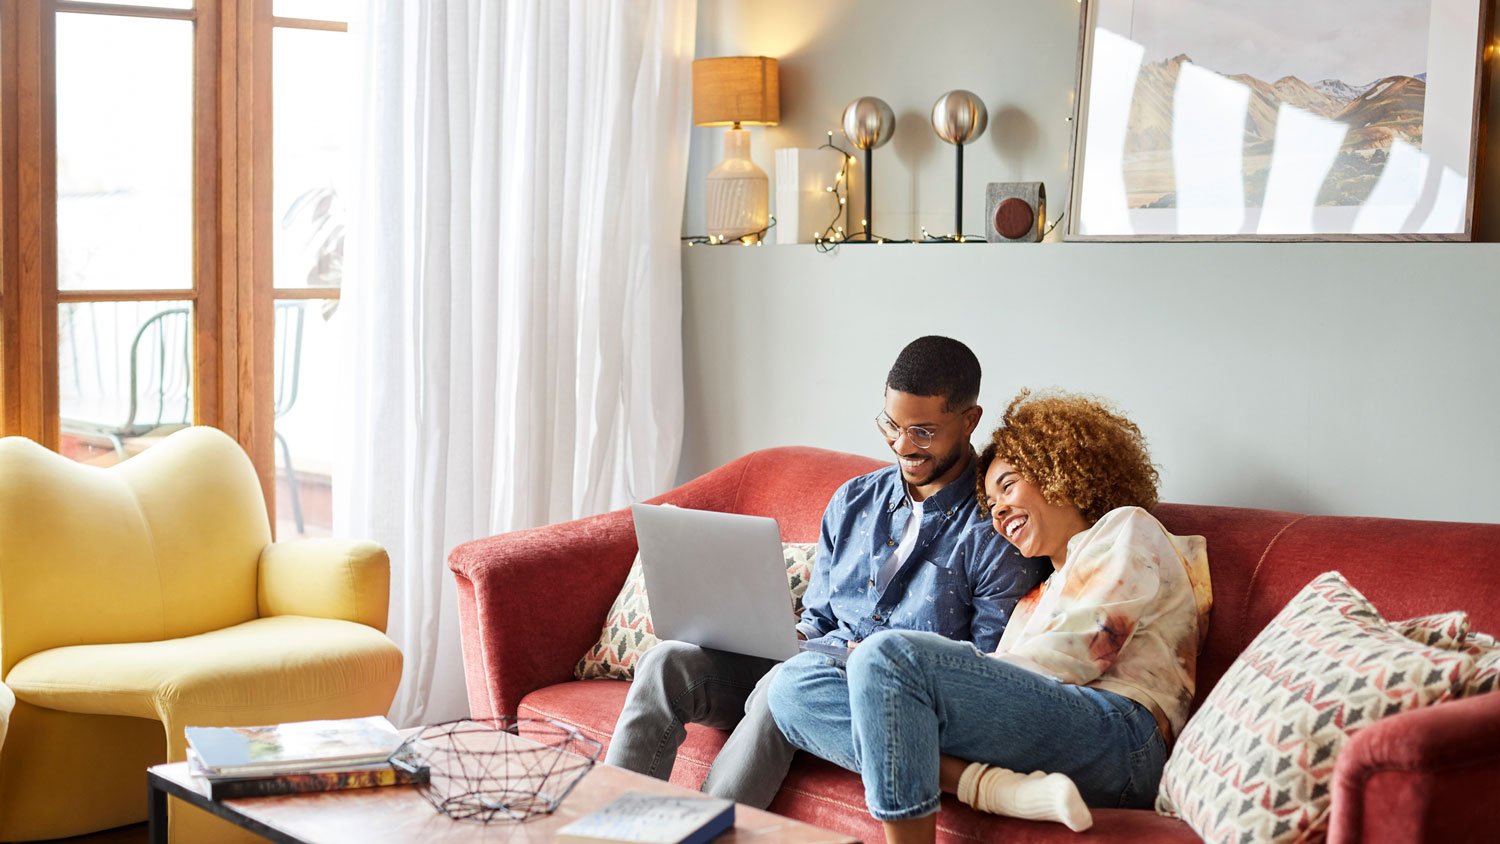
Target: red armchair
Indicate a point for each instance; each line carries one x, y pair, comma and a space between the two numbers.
531, 602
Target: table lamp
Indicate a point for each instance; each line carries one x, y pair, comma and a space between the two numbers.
869, 123
737, 91
959, 118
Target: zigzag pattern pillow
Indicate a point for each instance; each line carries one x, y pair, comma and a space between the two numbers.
1486, 652
1451, 630
1255, 763
628, 634
1441, 630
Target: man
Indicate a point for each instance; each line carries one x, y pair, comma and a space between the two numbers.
885, 560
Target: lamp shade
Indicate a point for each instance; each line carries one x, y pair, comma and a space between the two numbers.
736, 89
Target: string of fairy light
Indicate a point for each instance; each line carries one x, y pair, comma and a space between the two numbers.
826, 240
833, 235
757, 238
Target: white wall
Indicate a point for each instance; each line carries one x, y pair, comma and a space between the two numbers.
1355, 379
1328, 378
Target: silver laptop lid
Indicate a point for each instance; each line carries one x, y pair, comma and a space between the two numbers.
716, 580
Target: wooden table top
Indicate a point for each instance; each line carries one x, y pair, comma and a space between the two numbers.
401, 814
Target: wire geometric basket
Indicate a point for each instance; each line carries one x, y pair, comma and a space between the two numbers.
498, 769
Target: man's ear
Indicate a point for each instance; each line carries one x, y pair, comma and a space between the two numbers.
972, 417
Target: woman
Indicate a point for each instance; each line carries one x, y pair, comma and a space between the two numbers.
1095, 671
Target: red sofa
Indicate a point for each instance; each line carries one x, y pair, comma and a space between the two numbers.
531, 602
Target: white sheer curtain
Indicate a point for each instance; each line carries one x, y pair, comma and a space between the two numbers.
515, 294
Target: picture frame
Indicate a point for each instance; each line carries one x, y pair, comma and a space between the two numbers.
1216, 120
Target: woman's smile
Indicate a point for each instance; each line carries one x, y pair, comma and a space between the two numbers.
1021, 514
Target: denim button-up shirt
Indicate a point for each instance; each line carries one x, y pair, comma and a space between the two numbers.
962, 579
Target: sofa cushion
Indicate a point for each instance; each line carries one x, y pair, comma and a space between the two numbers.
593, 706
1237, 540
265, 665
1257, 760
628, 632
822, 793
1387, 560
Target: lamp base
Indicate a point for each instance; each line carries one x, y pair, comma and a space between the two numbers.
738, 200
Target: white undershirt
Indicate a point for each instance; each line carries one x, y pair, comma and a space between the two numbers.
903, 551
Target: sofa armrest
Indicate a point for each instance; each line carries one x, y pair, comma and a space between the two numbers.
531, 602
1430, 774
326, 578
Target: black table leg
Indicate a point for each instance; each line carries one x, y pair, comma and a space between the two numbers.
156, 811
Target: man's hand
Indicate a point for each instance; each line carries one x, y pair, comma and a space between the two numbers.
853, 643
801, 637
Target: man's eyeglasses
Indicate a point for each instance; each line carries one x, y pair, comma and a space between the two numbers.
918, 435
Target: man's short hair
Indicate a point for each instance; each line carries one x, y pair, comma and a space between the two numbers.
937, 366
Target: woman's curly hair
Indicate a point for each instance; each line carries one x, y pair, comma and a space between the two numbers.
1078, 450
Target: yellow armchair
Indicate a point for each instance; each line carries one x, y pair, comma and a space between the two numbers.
143, 598
7, 703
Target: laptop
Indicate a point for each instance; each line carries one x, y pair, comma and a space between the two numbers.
716, 580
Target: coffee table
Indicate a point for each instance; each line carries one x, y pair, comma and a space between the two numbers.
399, 813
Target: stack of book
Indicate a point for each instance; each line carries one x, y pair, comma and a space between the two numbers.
298, 757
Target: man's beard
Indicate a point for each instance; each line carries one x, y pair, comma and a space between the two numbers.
940, 467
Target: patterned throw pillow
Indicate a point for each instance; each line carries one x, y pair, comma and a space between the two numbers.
627, 630
1450, 630
1256, 761
1486, 652
1445, 630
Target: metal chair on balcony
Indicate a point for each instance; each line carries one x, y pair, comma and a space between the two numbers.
289, 317
160, 391
159, 397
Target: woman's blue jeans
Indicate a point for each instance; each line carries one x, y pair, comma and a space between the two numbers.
905, 697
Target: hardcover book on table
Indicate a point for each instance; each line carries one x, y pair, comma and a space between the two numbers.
225, 787
652, 819
293, 747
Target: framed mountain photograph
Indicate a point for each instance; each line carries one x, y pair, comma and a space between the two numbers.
1277, 119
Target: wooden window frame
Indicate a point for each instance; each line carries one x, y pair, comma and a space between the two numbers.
323, 26
232, 261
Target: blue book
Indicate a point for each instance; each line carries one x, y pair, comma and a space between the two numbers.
652, 819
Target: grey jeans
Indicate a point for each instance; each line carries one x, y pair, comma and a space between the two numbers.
677, 684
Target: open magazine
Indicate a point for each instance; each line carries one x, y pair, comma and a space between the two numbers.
293, 747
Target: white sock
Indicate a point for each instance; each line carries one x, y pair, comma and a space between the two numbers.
1037, 796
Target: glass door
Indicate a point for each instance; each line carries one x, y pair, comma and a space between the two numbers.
125, 235
313, 99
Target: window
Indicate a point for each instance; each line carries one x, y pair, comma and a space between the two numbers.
313, 96
124, 156
153, 273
